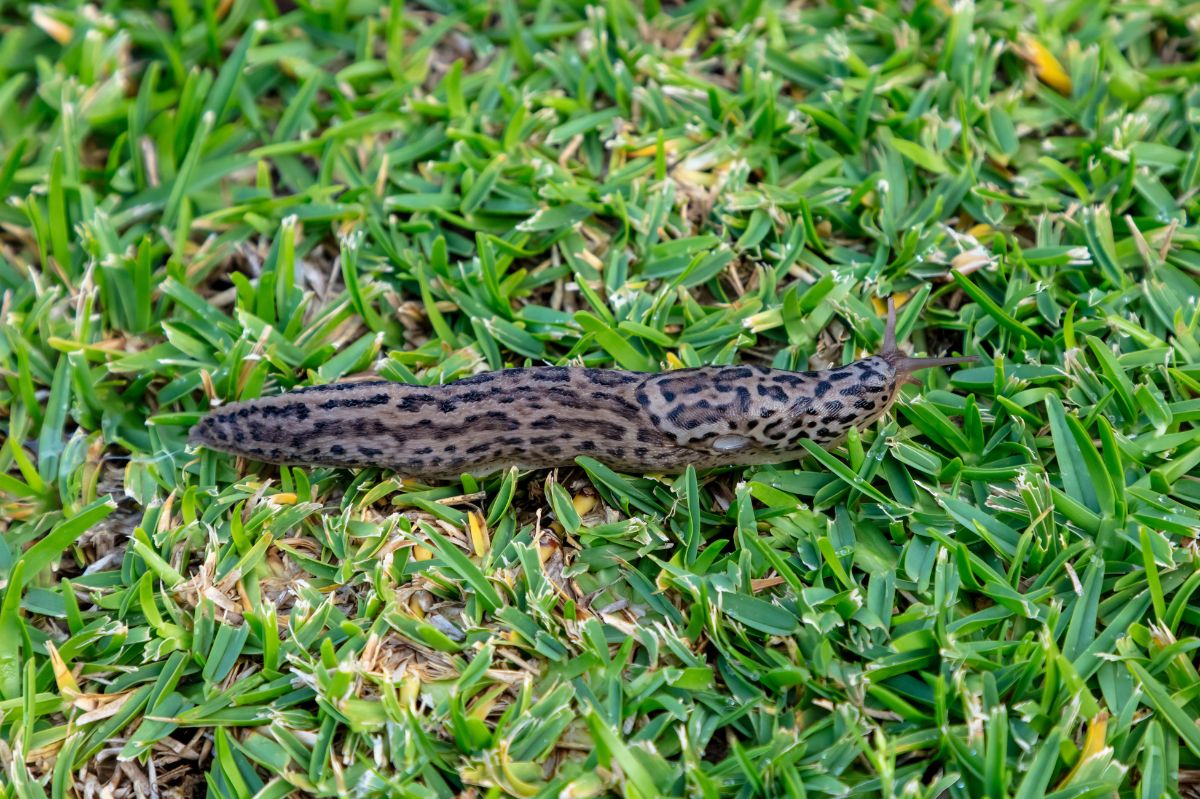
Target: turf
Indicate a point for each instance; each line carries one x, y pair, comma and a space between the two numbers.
990, 593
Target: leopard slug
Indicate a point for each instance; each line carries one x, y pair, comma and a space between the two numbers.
545, 417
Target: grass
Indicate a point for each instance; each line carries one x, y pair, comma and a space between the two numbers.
991, 593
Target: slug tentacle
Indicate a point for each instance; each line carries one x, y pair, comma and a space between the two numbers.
548, 416
904, 364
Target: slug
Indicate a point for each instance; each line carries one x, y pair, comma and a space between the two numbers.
545, 417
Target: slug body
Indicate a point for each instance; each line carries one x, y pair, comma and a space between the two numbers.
546, 417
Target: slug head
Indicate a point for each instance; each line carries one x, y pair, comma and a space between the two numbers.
903, 364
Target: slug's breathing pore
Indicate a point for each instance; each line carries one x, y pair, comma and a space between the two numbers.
547, 416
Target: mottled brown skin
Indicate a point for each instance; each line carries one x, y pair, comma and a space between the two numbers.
546, 417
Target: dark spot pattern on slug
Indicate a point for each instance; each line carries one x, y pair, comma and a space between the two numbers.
536, 417
566, 397
354, 402
413, 403
297, 410
611, 378
743, 400
553, 374
479, 379
772, 392
340, 387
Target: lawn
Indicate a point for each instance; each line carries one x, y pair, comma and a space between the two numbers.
992, 592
